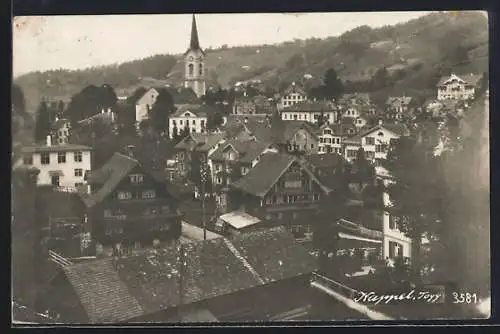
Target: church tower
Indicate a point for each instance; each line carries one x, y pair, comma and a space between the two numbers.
194, 64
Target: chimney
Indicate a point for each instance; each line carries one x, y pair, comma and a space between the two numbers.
102, 111
49, 140
245, 93
380, 122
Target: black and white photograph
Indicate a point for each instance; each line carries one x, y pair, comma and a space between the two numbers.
247, 168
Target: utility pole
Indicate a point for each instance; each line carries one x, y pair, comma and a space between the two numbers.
203, 181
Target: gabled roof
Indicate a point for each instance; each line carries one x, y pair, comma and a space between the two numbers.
256, 125
200, 110
398, 129
109, 176
263, 176
358, 98
294, 88
396, 101
120, 289
200, 142
60, 123
310, 106
291, 128
471, 79
247, 150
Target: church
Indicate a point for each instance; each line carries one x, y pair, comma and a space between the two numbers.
194, 64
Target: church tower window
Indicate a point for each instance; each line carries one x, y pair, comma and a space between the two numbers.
190, 69
201, 69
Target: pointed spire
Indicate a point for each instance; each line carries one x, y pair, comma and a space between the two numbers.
195, 43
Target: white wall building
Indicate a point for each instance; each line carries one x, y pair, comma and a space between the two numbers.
329, 141
191, 116
144, 105
292, 95
60, 165
395, 242
309, 111
456, 87
376, 141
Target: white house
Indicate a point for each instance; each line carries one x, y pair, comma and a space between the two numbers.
351, 147
189, 116
310, 111
60, 165
329, 140
395, 242
292, 95
456, 87
145, 103
376, 141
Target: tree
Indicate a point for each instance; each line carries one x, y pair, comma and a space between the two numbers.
416, 195
175, 134
333, 87
60, 109
160, 111
380, 79
42, 126
90, 101
214, 120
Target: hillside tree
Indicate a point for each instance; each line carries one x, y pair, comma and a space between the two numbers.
42, 126
159, 113
333, 86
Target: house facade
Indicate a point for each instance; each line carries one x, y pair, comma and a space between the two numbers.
376, 141
399, 107
60, 131
310, 111
192, 118
300, 137
128, 208
280, 190
395, 243
329, 140
145, 103
60, 165
258, 105
292, 95
458, 87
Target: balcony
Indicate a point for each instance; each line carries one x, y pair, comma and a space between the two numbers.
281, 207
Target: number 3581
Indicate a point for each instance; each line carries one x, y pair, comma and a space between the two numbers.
464, 298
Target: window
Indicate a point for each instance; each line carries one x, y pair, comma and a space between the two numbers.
370, 141
315, 197
78, 185
124, 195
61, 157
136, 178
78, 172
202, 123
201, 70
244, 170
312, 146
45, 158
28, 159
218, 180
380, 134
108, 213
293, 184
351, 153
148, 194
379, 148
190, 69
55, 180
395, 249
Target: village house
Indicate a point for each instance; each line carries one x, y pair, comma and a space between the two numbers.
249, 127
362, 99
60, 130
128, 208
300, 137
189, 117
376, 141
61, 165
234, 159
281, 190
443, 108
292, 95
144, 104
195, 149
258, 105
248, 277
330, 139
399, 107
310, 111
329, 168
459, 87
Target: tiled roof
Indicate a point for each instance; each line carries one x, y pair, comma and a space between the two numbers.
200, 142
109, 175
355, 140
55, 148
200, 110
247, 150
261, 178
117, 290
471, 79
324, 160
274, 254
305, 106
294, 88
256, 125
398, 129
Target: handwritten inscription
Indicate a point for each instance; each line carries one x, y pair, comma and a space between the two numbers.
410, 296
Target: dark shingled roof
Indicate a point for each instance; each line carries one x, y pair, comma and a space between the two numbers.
358, 98
291, 127
324, 160
471, 78
55, 148
247, 150
395, 101
117, 290
261, 178
310, 106
109, 176
257, 126
274, 254
200, 142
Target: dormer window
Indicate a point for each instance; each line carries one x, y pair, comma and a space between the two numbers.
136, 178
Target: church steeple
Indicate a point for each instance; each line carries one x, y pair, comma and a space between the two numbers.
195, 43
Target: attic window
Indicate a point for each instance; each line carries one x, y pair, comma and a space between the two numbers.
380, 134
136, 178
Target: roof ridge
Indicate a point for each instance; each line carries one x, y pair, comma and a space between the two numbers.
243, 260
128, 157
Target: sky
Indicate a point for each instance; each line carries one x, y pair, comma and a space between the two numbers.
43, 43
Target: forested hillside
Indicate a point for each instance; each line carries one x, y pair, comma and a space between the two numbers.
415, 54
